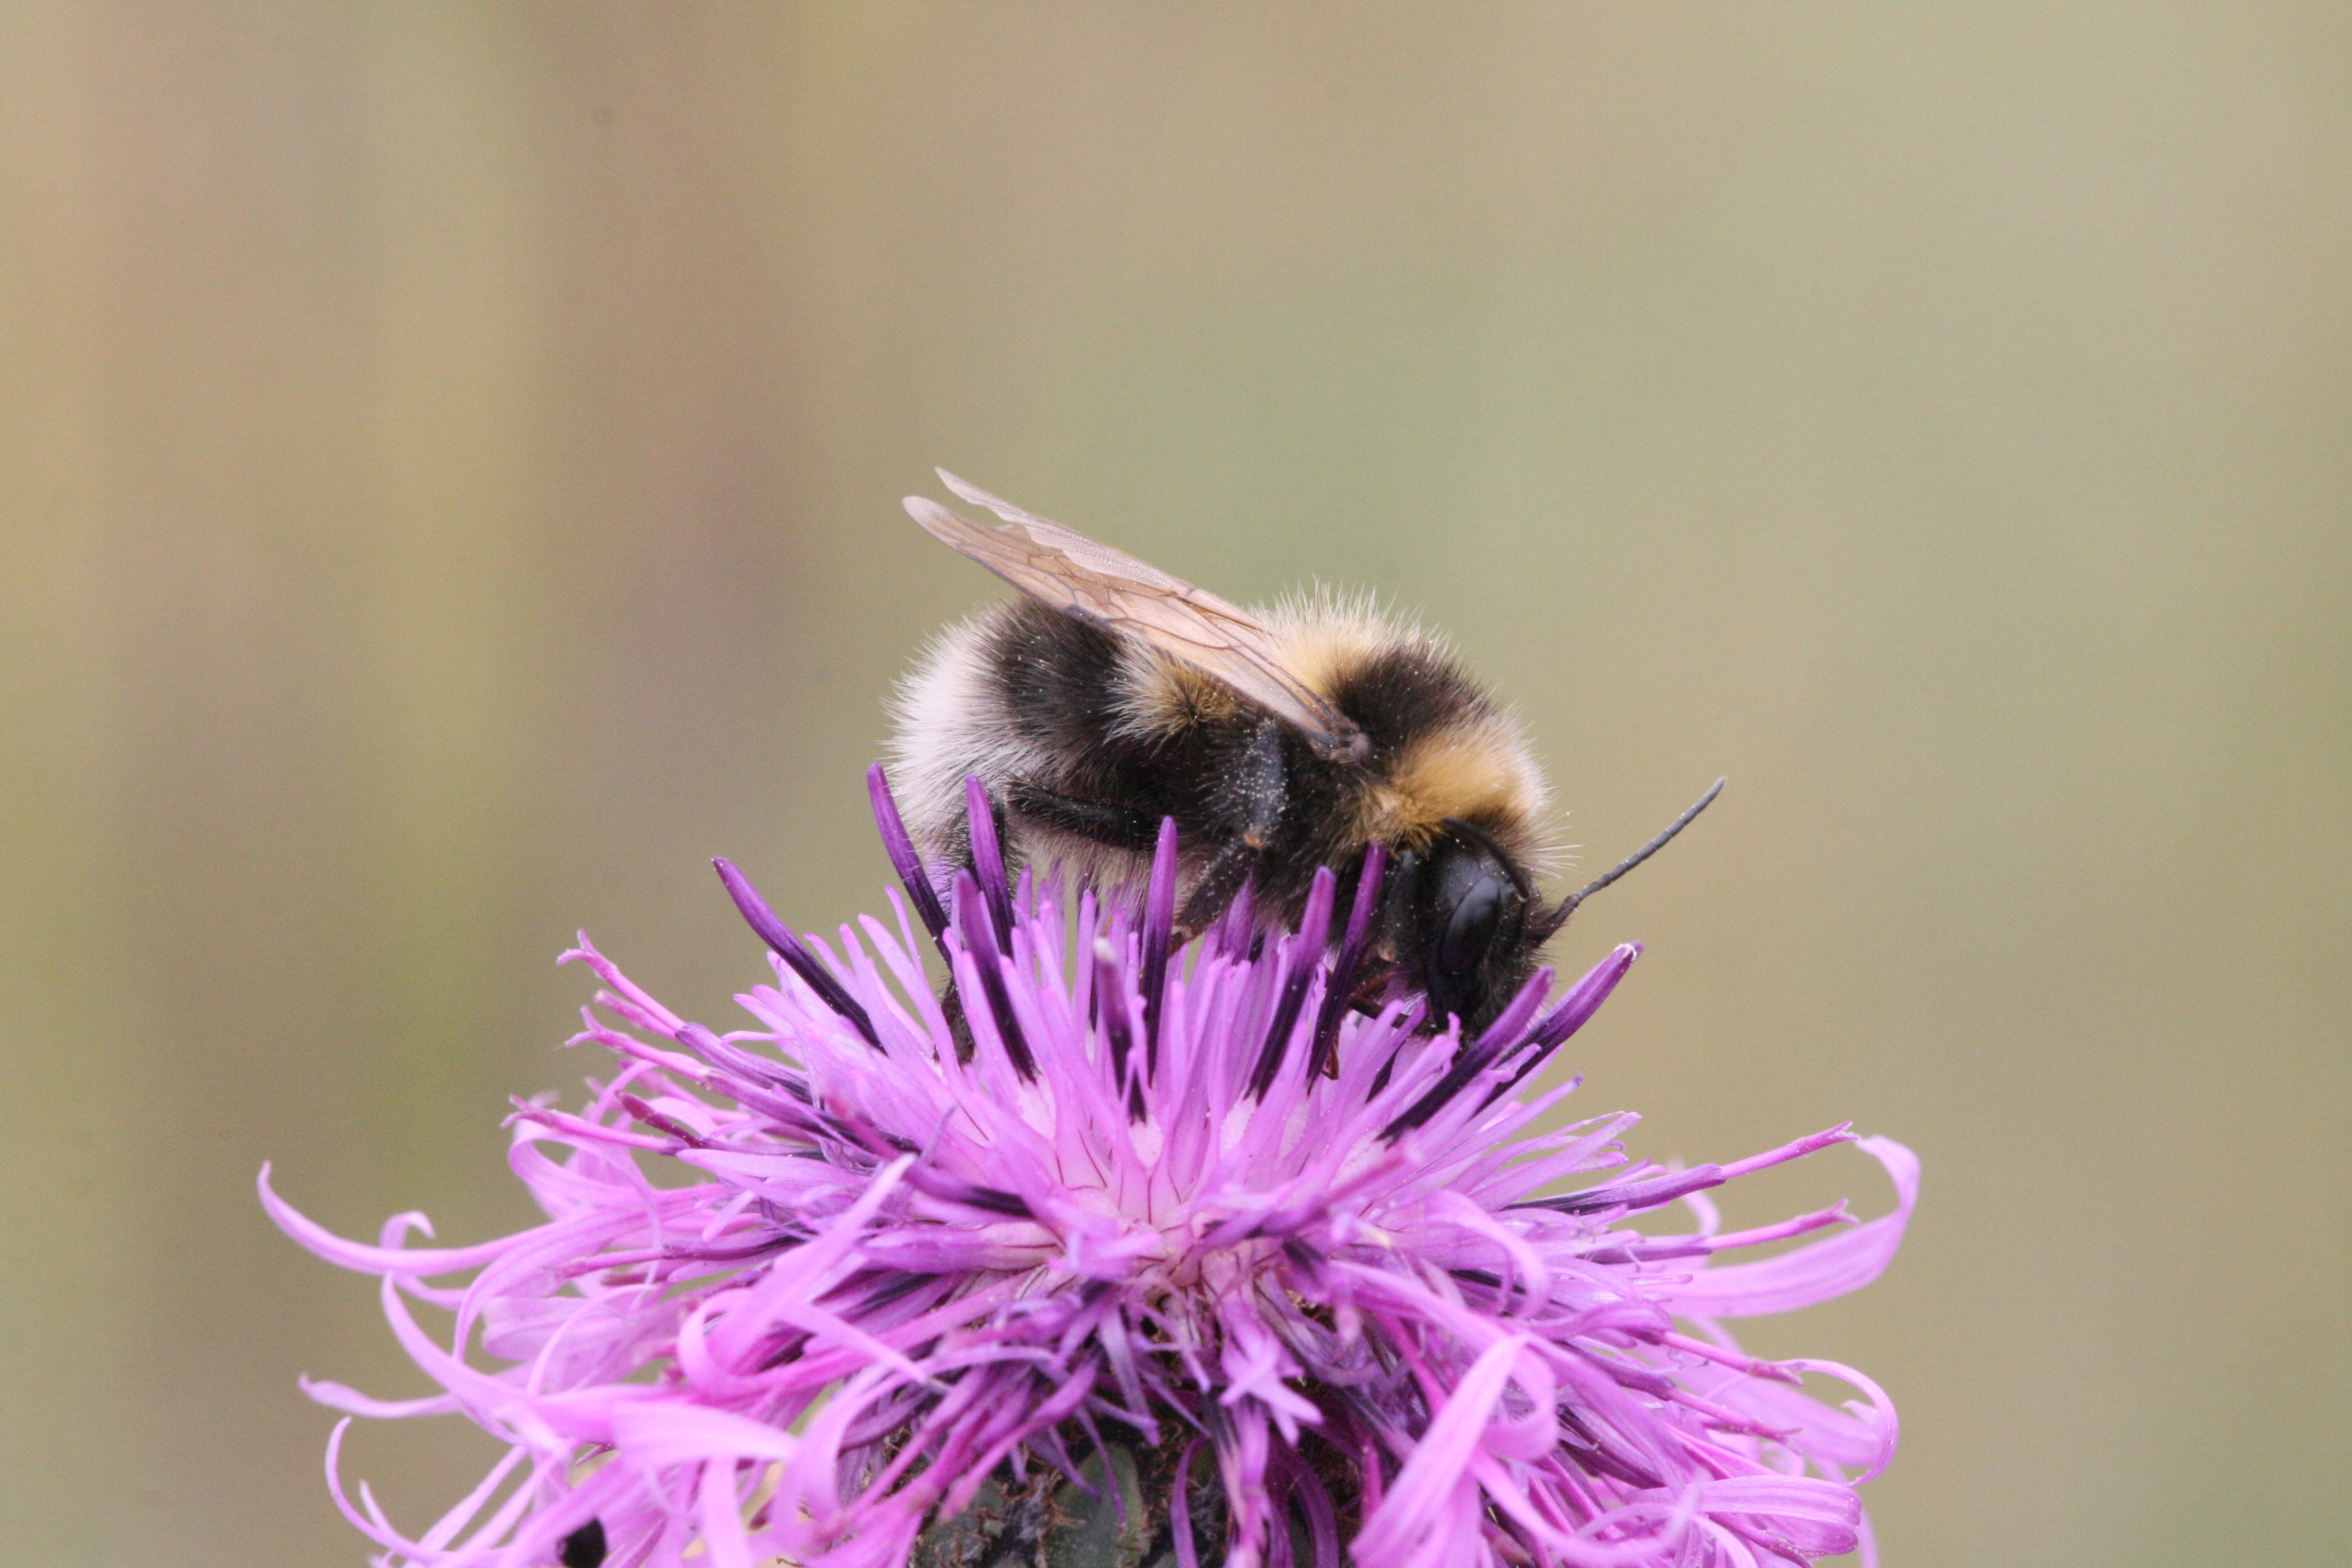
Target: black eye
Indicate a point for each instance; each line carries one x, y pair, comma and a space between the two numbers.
1470, 931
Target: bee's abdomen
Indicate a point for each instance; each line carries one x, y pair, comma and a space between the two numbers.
1031, 698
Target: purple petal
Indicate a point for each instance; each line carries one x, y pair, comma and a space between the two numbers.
980, 937
1305, 961
987, 859
1339, 990
771, 931
1159, 930
899, 846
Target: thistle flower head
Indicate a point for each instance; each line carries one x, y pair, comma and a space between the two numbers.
1307, 1276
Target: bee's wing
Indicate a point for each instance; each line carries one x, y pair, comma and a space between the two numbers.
1114, 590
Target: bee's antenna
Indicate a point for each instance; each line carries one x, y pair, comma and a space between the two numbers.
1568, 905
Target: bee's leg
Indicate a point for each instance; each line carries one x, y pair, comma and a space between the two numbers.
1251, 805
1115, 826
958, 1025
1395, 917
1220, 880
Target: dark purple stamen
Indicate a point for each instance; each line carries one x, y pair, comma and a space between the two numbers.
1617, 1257
987, 859
1583, 1000
896, 1285
771, 931
979, 942
996, 1200
669, 1126
1415, 1009
1477, 1058
758, 1084
1340, 991
1158, 931
766, 1247
1488, 1280
1238, 931
899, 845
1306, 957
1643, 1194
971, 1194
1110, 1005
1628, 1373
1498, 1039
1598, 1457
733, 1058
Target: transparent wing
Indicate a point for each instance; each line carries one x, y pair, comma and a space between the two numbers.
1114, 591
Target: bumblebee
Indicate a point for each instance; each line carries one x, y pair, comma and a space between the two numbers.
1111, 696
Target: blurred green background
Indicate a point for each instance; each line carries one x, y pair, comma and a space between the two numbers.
449, 461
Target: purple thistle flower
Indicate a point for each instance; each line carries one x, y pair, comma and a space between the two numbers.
907, 1290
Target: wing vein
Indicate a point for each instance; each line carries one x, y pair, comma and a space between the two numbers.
1085, 578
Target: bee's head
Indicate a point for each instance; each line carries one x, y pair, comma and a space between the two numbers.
1470, 927
1469, 924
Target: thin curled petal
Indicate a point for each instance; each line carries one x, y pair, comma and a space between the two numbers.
1830, 1267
